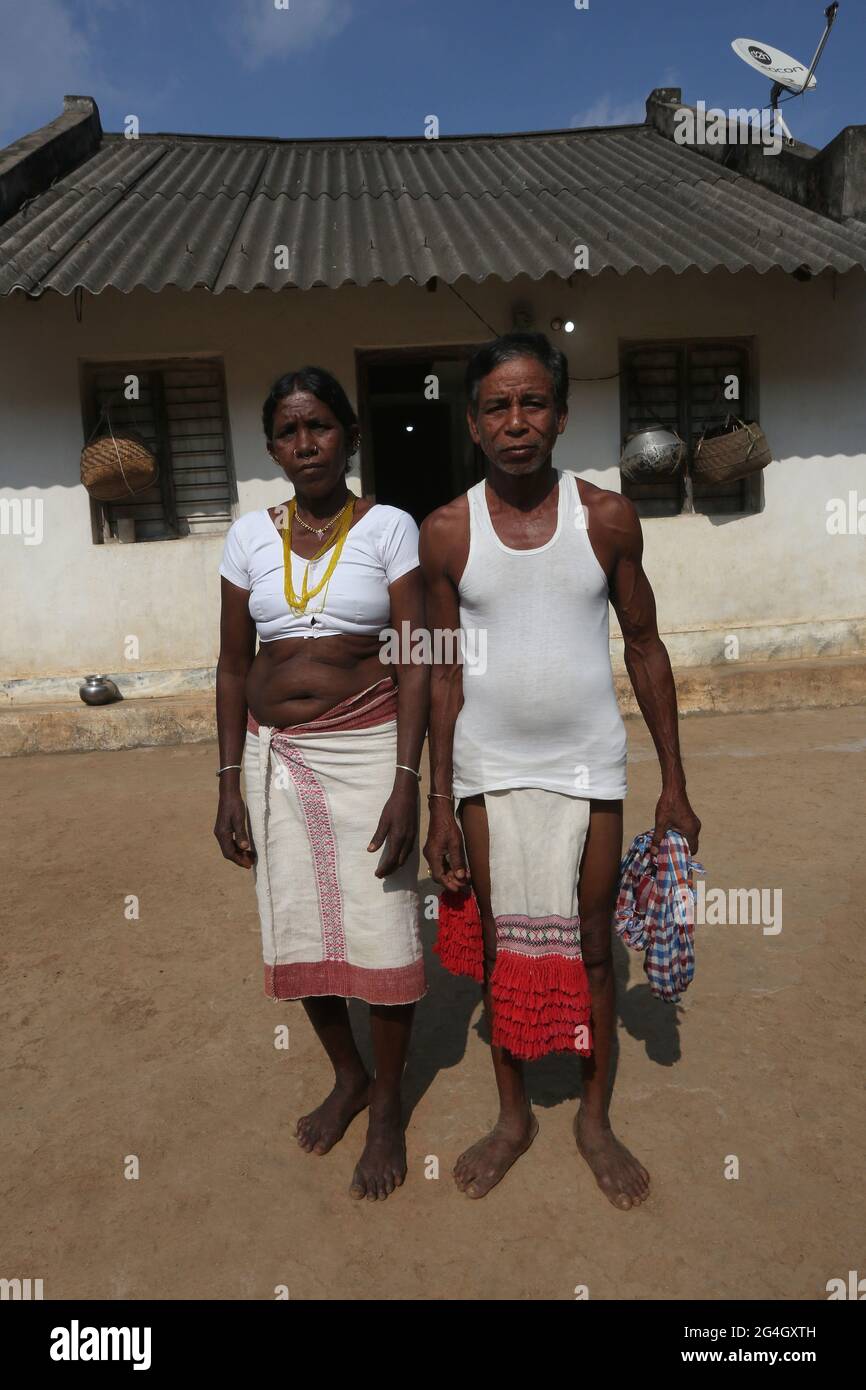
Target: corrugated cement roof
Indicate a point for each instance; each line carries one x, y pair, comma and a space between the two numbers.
199, 211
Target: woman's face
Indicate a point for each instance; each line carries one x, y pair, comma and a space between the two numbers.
308, 443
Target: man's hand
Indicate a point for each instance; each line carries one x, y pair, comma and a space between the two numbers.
674, 812
444, 848
398, 824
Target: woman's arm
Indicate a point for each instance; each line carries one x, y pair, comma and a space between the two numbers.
237, 650
399, 820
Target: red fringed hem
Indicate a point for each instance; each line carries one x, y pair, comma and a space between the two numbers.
459, 944
540, 1005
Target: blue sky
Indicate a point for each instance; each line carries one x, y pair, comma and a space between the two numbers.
379, 67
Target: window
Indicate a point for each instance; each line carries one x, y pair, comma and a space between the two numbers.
181, 414
681, 386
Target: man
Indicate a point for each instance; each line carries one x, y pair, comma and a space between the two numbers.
530, 742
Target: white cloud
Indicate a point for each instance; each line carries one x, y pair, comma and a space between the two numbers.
45, 55
259, 32
47, 52
607, 111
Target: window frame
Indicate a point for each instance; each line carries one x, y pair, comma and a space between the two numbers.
748, 409
153, 369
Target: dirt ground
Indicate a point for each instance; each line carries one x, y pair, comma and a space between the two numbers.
153, 1038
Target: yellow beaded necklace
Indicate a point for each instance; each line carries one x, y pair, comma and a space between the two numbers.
298, 602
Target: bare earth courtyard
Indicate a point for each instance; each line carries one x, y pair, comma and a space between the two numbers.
152, 1037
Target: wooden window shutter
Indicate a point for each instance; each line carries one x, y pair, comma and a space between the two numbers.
181, 414
681, 386
652, 380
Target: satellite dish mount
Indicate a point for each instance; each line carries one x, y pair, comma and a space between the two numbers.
778, 88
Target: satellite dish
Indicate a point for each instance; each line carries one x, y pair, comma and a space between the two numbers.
773, 63
785, 72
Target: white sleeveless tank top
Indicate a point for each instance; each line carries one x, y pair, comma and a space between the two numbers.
539, 706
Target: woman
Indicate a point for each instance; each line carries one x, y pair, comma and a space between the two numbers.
330, 745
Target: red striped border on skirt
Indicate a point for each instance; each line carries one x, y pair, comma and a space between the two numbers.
402, 984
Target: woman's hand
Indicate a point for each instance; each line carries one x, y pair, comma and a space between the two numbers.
398, 824
444, 848
231, 830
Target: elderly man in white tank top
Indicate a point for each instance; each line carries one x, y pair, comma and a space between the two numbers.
528, 749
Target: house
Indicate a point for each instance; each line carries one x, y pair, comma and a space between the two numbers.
172, 277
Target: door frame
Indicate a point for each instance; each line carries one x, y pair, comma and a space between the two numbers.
374, 357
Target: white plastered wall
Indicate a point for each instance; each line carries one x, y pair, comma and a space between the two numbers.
778, 580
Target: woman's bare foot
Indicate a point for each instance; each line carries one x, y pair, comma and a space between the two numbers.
324, 1127
624, 1181
485, 1164
382, 1165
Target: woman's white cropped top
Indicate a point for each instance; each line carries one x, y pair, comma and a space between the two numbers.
379, 548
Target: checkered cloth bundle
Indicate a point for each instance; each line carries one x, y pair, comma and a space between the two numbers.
655, 911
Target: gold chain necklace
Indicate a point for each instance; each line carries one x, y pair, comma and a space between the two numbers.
319, 530
298, 602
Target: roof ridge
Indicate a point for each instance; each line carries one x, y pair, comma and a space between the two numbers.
395, 195
193, 137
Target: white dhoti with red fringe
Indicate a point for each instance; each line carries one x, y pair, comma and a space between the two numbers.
540, 1000
315, 793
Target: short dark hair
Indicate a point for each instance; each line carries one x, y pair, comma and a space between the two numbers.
491, 355
320, 383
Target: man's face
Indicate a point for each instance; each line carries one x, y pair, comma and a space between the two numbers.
516, 423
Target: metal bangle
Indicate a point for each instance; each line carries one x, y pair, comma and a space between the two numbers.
228, 767
404, 768
444, 796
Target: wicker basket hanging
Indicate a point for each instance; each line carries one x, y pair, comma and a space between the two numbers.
117, 465
731, 455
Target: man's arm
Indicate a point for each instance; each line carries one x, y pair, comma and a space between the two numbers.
444, 848
649, 668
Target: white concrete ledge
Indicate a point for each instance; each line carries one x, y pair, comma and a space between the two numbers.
736, 687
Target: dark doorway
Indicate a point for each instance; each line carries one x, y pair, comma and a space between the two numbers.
416, 453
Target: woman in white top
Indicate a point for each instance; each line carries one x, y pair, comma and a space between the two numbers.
329, 740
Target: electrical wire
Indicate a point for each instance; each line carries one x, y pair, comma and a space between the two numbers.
473, 310
609, 377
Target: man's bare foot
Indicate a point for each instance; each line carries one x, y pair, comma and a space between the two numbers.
486, 1163
382, 1165
324, 1127
624, 1181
